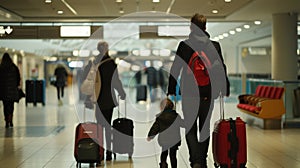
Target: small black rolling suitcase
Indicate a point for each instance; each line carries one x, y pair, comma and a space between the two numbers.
88, 147
40, 89
35, 92
122, 141
141, 93
30, 91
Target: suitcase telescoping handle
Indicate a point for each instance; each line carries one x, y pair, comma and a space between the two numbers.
221, 106
84, 113
120, 108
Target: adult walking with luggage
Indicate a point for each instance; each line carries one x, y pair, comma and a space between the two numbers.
106, 97
9, 84
198, 89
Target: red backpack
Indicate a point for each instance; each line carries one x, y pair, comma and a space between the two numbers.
198, 65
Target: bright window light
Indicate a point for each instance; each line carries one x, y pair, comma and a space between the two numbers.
48, 1
84, 53
221, 37
145, 52
76, 64
227, 0
165, 52
135, 52
147, 63
75, 53
173, 30
135, 68
155, 52
95, 52
156, 1
124, 64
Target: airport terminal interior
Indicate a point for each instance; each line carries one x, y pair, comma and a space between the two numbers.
260, 42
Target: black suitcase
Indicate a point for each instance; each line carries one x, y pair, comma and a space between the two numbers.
35, 91
29, 90
122, 140
141, 93
40, 91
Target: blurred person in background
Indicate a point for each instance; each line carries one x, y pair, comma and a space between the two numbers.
61, 79
9, 84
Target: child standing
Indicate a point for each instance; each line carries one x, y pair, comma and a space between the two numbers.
167, 126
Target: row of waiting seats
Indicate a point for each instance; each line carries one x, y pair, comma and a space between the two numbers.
266, 103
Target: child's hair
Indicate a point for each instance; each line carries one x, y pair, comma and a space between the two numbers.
166, 104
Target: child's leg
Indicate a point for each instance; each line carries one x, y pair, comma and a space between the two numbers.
163, 158
173, 157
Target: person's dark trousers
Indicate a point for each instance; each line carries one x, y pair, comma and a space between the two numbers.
173, 156
104, 118
8, 107
198, 148
60, 92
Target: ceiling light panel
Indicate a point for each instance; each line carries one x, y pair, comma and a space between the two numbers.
60, 12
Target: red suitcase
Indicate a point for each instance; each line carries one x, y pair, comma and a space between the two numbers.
88, 143
229, 142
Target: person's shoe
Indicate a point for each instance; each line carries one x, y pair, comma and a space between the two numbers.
11, 124
108, 156
163, 165
6, 125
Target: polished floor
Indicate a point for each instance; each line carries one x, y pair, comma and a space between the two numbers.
43, 136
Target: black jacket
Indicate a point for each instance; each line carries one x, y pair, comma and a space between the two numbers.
151, 76
9, 82
109, 82
198, 41
61, 76
167, 126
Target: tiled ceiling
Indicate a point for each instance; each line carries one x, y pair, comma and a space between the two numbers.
98, 10
229, 15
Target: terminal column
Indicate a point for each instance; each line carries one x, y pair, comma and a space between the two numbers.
284, 47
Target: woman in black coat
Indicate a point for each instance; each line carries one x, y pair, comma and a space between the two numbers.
106, 100
9, 84
61, 78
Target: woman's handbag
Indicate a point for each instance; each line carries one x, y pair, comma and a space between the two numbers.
93, 79
21, 94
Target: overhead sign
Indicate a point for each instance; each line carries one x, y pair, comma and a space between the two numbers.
75, 31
